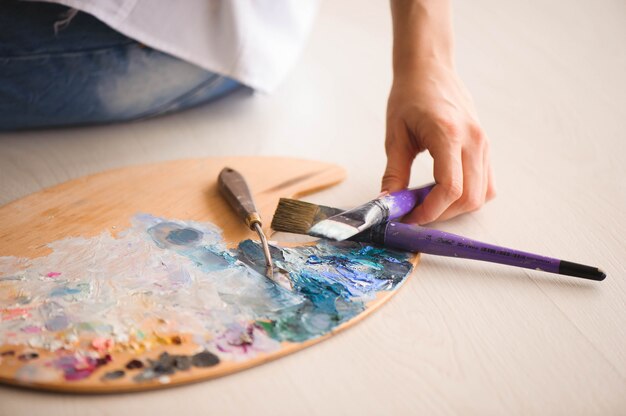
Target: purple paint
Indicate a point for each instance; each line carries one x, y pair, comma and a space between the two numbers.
54, 315
31, 329
78, 367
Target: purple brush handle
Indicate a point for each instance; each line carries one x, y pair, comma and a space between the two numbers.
402, 202
424, 240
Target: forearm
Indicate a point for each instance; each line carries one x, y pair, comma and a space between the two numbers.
422, 35
430, 109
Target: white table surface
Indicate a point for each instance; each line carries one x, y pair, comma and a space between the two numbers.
461, 337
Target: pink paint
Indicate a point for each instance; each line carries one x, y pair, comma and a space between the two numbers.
244, 340
31, 329
54, 274
8, 314
102, 344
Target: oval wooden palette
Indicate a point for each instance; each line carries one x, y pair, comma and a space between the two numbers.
106, 203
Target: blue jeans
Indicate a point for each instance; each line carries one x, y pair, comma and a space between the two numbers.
88, 73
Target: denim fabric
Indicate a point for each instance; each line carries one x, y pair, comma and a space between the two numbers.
88, 73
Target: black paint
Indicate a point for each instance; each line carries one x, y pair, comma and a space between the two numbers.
204, 359
165, 365
27, 356
103, 360
114, 375
134, 364
168, 364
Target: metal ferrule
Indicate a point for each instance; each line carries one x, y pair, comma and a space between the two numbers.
375, 234
253, 218
372, 213
384, 208
378, 232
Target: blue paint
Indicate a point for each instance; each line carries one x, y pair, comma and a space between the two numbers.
54, 316
204, 248
64, 291
336, 279
183, 236
181, 276
333, 281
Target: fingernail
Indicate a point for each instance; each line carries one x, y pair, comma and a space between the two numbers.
383, 193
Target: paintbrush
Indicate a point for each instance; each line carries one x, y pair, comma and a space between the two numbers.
300, 217
380, 210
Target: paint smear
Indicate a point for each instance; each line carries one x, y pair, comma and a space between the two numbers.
93, 296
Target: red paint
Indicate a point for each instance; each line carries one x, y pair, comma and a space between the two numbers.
8, 314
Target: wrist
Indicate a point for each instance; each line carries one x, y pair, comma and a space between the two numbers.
411, 67
423, 36
423, 70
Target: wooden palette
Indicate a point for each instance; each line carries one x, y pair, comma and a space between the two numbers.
184, 189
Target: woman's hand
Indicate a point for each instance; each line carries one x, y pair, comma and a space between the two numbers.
430, 109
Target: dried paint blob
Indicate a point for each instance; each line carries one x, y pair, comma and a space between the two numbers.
28, 356
183, 236
164, 282
78, 366
168, 364
113, 375
204, 359
134, 365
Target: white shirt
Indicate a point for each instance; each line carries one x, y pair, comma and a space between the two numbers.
253, 41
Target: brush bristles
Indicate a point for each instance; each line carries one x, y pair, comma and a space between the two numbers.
334, 230
293, 216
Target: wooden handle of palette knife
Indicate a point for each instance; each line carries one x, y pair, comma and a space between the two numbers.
234, 189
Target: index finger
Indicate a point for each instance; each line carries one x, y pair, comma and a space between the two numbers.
448, 173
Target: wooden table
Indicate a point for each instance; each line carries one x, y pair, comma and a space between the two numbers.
461, 337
